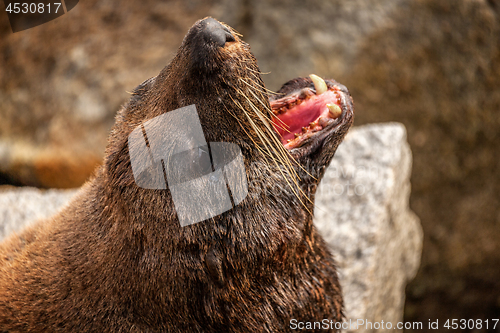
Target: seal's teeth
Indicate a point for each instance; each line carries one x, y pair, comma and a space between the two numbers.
319, 84
313, 124
296, 135
335, 110
305, 93
304, 129
323, 121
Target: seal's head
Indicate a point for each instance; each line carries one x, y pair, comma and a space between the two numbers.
294, 132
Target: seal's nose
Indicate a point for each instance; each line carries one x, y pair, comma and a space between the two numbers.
214, 32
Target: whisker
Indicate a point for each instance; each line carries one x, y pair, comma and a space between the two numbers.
265, 106
280, 145
285, 159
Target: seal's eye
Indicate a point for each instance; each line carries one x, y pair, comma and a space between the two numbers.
214, 32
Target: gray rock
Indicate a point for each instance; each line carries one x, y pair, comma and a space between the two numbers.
22, 206
362, 212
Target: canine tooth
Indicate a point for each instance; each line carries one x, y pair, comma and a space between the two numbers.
296, 135
335, 110
313, 124
304, 129
319, 84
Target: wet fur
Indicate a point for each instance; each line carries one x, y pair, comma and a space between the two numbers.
116, 260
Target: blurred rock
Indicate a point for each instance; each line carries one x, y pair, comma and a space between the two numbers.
296, 38
363, 213
436, 68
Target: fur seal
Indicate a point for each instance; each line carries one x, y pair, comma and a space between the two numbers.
116, 259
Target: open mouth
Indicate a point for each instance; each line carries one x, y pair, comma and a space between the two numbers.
306, 110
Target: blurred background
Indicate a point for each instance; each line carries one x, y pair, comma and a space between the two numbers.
433, 65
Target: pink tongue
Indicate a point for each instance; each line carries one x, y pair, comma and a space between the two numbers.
300, 116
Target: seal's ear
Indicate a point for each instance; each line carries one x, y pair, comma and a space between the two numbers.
139, 92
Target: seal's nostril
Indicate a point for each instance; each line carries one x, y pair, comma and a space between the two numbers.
215, 32
230, 37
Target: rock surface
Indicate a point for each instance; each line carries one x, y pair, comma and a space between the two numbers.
435, 67
362, 211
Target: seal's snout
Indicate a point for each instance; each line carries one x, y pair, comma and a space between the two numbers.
214, 32
206, 47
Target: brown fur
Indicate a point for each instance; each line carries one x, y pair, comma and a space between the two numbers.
117, 260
